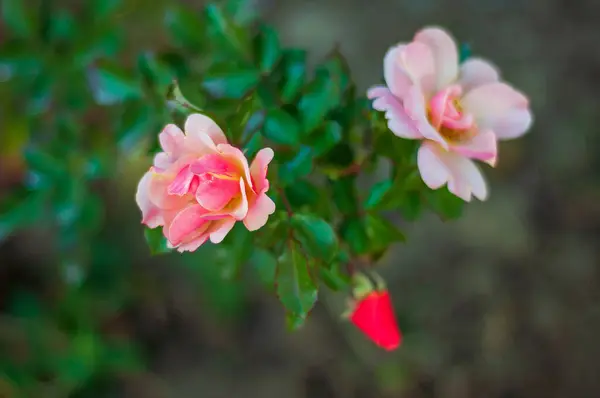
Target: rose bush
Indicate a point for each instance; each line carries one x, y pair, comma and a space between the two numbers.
76, 126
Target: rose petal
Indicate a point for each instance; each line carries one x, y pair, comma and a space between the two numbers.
220, 229
445, 54
414, 104
439, 106
189, 224
418, 62
259, 212
467, 179
162, 161
216, 164
238, 206
378, 91
483, 146
238, 209
171, 139
199, 125
500, 108
433, 170
159, 195
193, 245
514, 124
438, 167
398, 121
214, 193
181, 184
476, 72
233, 153
395, 75
150, 213
258, 169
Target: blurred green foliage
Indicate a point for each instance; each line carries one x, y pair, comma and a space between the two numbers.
82, 106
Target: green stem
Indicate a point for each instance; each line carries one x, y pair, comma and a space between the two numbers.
286, 202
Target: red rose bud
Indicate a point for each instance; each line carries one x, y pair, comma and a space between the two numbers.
374, 315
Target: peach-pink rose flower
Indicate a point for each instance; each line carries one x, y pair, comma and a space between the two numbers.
459, 111
199, 186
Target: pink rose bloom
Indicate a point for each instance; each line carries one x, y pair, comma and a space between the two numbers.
458, 111
200, 186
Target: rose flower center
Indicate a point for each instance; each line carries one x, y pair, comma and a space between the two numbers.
447, 115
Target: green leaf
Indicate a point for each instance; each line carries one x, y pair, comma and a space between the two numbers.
343, 257
281, 128
316, 102
324, 93
344, 194
316, 235
411, 205
243, 12
294, 321
382, 232
63, 27
20, 213
399, 150
238, 122
300, 166
265, 265
230, 84
341, 156
134, 125
353, 231
338, 71
18, 61
44, 164
377, 193
175, 93
294, 74
111, 84
77, 365
253, 145
225, 34
40, 94
177, 63
396, 194
103, 45
302, 193
102, 9
254, 123
156, 241
334, 277
326, 138
239, 245
447, 205
269, 49
92, 213
18, 17
295, 287
186, 28
267, 93
155, 72
270, 236
70, 193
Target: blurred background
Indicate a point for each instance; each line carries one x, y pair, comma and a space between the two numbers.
502, 303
